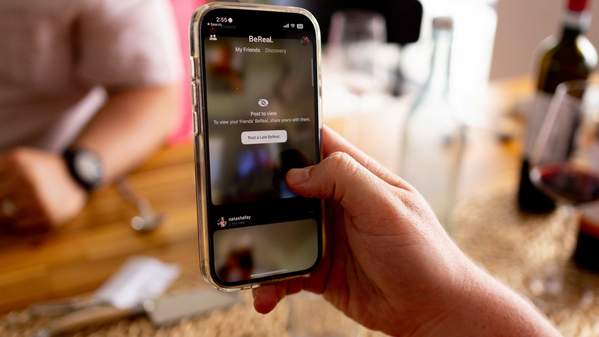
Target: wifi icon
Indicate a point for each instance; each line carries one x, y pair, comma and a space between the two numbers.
293, 25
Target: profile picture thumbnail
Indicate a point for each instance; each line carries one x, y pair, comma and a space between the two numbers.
221, 223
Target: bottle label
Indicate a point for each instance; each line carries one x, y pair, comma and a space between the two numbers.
535, 117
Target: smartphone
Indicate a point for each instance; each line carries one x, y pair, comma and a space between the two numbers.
257, 114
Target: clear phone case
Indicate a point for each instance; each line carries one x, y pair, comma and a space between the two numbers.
197, 99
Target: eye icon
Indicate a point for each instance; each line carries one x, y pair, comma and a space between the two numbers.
263, 102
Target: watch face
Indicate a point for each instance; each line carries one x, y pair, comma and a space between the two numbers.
88, 167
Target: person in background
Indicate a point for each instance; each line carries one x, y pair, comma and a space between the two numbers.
88, 89
390, 265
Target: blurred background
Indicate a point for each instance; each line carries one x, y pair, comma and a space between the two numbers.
471, 101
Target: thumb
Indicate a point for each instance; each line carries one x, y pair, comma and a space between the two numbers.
339, 177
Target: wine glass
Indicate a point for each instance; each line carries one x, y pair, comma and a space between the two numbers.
358, 50
565, 162
352, 26
565, 157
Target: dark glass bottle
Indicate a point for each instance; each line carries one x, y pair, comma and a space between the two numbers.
567, 58
586, 254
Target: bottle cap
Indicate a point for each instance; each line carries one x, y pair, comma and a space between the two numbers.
443, 22
578, 5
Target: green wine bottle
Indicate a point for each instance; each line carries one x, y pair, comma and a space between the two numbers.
568, 57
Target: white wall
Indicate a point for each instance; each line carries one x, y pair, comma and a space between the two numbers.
473, 39
522, 25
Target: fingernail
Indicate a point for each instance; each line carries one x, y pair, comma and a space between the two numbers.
298, 176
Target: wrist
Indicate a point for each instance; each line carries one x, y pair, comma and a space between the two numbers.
461, 282
67, 179
482, 306
452, 281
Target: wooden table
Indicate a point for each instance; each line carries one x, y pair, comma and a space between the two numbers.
79, 256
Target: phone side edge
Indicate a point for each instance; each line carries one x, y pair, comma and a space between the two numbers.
199, 145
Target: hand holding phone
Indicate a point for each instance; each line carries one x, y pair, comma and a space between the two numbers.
390, 265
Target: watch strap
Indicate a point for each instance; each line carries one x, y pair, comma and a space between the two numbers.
70, 157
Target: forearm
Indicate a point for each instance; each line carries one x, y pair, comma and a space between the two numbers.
487, 308
132, 124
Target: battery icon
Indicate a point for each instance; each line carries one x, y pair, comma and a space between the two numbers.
300, 26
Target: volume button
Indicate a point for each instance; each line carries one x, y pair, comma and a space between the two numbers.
194, 107
199, 106
192, 67
196, 130
194, 94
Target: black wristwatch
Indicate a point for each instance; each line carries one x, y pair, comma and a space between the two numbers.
85, 167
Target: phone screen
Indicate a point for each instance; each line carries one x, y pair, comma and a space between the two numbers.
260, 120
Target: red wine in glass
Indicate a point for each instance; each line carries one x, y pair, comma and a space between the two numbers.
568, 183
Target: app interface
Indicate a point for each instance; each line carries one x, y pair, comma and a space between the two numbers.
261, 121
261, 115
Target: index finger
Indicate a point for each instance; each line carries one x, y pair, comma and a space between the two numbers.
333, 142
